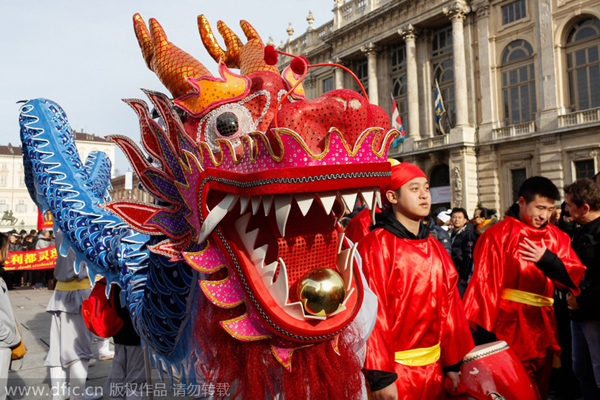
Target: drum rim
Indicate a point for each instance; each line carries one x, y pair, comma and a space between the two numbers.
501, 345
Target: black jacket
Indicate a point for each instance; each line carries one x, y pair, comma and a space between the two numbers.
441, 235
586, 243
463, 243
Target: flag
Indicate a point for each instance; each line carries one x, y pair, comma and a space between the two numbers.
438, 106
44, 220
397, 124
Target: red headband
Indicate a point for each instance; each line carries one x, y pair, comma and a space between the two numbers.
403, 173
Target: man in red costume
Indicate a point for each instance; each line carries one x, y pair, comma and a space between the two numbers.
517, 263
421, 330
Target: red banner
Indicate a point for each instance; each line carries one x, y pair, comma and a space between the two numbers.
44, 220
33, 259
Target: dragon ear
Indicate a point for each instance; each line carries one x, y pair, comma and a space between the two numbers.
172, 65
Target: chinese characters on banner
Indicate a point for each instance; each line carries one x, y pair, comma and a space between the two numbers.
33, 259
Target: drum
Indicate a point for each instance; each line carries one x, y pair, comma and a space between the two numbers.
493, 369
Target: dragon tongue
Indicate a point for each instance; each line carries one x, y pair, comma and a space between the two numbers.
304, 253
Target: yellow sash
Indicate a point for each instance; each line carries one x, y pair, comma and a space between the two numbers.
531, 299
69, 286
418, 357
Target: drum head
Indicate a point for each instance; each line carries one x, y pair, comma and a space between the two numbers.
485, 350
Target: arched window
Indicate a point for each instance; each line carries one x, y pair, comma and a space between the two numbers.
583, 64
443, 73
518, 83
399, 88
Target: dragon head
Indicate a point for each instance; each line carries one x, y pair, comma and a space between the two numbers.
252, 177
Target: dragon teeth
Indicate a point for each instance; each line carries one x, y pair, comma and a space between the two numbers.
367, 197
344, 264
328, 200
281, 285
378, 199
267, 201
349, 200
244, 201
255, 200
304, 201
258, 255
283, 205
215, 216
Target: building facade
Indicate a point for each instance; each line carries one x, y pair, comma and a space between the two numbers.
519, 80
128, 186
17, 210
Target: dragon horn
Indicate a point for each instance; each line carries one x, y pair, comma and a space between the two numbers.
249, 31
172, 65
252, 54
231, 57
144, 39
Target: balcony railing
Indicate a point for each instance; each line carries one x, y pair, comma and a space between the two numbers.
514, 130
353, 9
431, 142
325, 30
579, 117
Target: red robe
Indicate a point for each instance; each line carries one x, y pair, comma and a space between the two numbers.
528, 330
358, 227
418, 307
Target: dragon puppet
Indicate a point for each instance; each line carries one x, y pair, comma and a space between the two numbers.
239, 271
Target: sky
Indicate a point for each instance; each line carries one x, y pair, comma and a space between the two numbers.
84, 55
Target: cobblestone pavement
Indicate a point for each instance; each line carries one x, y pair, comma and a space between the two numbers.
29, 379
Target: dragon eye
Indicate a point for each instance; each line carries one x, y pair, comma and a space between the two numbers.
227, 124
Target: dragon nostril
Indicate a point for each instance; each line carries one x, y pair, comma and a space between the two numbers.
227, 124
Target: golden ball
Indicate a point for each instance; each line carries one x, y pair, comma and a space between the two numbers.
321, 291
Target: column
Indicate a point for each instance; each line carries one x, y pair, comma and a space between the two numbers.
463, 177
337, 14
371, 51
545, 74
489, 105
457, 13
338, 75
409, 35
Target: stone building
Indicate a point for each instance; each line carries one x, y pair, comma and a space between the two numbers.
128, 186
14, 197
519, 79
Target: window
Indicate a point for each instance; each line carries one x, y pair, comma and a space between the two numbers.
3, 180
399, 88
443, 73
362, 73
518, 83
584, 169
517, 176
583, 64
21, 207
513, 12
327, 84
3, 205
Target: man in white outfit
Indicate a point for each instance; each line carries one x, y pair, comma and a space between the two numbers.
70, 340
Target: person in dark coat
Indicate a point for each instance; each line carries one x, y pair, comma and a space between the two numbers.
439, 233
483, 218
583, 204
463, 243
